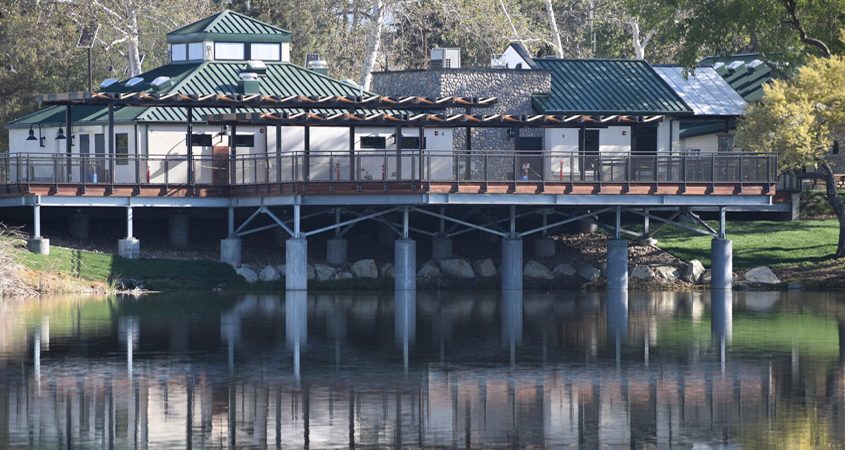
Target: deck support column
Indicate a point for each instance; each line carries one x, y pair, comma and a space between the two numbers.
129, 247
721, 256
512, 256
296, 257
617, 257
405, 258
230, 248
544, 247
337, 247
37, 244
441, 245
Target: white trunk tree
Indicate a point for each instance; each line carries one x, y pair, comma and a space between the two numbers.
373, 44
640, 42
550, 11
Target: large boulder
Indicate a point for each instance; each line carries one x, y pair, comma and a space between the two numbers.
247, 274
694, 271
667, 273
761, 275
457, 267
269, 274
534, 269
642, 272
564, 270
365, 268
324, 272
281, 269
310, 273
484, 268
588, 272
429, 270
343, 275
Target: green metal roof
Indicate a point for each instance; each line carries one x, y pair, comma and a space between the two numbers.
606, 86
228, 25
747, 73
210, 77
689, 129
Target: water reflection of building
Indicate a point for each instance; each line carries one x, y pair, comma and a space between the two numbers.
592, 388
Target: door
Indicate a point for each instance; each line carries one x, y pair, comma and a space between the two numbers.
588, 153
99, 158
644, 153
220, 165
530, 164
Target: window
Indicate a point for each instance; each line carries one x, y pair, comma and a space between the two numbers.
373, 142
229, 51
201, 140
726, 142
84, 144
178, 52
245, 140
195, 51
121, 149
265, 52
411, 142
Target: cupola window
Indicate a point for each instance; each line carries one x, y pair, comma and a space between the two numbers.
266, 52
232, 51
195, 51
178, 52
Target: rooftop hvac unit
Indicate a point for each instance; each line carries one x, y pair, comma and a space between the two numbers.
314, 62
258, 67
249, 83
134, 81
161, 83
445, 58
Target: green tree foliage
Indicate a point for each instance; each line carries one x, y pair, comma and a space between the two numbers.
799, 119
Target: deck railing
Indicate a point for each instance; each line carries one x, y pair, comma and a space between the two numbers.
391, 166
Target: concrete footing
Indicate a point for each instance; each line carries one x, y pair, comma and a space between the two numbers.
296, 264
587, 226
721, 270
230, 251
441, 248
179, 230
39, 245
405, 264
129, 248
77, 226
337, 251
544, 248
511, 263
617, 264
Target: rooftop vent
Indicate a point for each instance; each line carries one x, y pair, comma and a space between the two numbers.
249, 83
107, 82
161, 83
718, 65
736, 65
754, 64
257, 67
315, 63
134, 81
445, 58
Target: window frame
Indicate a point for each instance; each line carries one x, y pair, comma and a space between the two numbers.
275, 45
184, 48
241, 44
200, 45
368, 142
121, 153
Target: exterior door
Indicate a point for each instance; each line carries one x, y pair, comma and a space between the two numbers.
644, 153
100, 157
530, 164
588, 153
220, 165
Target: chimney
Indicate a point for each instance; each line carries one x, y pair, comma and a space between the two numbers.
445, 58
315, 63
249, 84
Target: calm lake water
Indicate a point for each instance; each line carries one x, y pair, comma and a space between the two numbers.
659, 370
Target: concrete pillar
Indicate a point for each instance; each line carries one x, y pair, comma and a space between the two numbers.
721, 270
77, 226
337, 251
511, 263
230, 251
405, 264
179, 230
39, 245
129, 248
296, 264
441, 247
544, 248
617, 264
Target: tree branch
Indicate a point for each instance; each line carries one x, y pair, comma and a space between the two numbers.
792, 9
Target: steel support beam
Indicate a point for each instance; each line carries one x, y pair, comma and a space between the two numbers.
462, 222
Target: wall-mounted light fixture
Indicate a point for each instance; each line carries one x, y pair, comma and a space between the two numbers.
61, 134
32, 137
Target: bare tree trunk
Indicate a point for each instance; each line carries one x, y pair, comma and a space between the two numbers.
639, 51
133, 53
555, 32
836, 203
373, 43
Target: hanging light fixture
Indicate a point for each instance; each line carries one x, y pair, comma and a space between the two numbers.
31, 136
224, 131
61, 134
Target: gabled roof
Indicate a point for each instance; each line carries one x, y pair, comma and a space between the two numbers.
606, 86
230, 26
704, 90
199, 78
747, 73
523, 53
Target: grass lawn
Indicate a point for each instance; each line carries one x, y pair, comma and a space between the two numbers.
759, 243
157, 274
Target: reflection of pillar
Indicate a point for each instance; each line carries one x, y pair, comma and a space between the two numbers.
617, 320
336, 322
405, 321
230, 331
128, 332
512, 321
296, 325
721, 323
36, 359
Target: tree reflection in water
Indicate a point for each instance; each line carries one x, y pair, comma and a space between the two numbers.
421, 369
